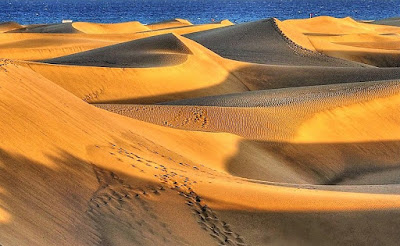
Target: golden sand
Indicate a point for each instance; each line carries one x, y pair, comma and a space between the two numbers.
131, 134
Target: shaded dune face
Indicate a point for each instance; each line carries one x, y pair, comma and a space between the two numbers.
84, 27
261, 77
348, 39
118, 28
262, 42
202, 72
169, 24
53, 28
313, 128
158, 51
395, 21
262, 133
9, 26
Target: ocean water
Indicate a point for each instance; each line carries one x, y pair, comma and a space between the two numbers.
197, 11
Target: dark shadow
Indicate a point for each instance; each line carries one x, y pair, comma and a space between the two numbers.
47, 28
372, 58
265, 77
33, 193
393, 21
262, 77
53, 201
362, 163
330, 228
295, 68
156, 51
263, 42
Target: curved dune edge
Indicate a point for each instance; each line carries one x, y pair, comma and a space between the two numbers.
356, 52
350, 40
36, 46
395, 21
188, 29
177, 22
263, 42
47, 28
200, 75
9, 26
294, 35
113, 121
117, 28
98, 156
216, 161
337, 26
327, 132
158, 51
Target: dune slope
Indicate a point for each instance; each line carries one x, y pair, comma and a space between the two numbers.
312, 128
47, 28
8, 26
300, 149
169, 24
198, 72
164, 50
348, 39
107, 179
262, 42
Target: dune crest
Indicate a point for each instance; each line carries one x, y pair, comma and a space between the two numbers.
169, 24
350, 40
9, 26
198, 73
117, 28
262, 42
262, 133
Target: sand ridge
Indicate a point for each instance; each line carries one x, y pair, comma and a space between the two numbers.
289, 120
177, 22
348, 39
9, 26
262, 42
157, 51
199, 73
247, 139
117, 28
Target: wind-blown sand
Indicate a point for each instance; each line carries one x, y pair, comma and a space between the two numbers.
9, 26
263, 133
262, 42
348, 39
169, 24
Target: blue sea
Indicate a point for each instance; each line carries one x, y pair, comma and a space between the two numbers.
197, 11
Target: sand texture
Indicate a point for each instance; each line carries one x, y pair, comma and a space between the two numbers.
172, 133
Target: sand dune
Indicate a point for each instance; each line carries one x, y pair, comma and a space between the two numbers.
169, 24
308, 125
326, 25
197, 73
85, 27
103, 167
261, 77
380, 53
158, 51
117, 28
395, 21
348, 39
8, 26
33, 46
301, 149
47, 28
181, 30
262, 42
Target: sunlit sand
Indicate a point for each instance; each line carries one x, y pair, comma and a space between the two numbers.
172, 133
